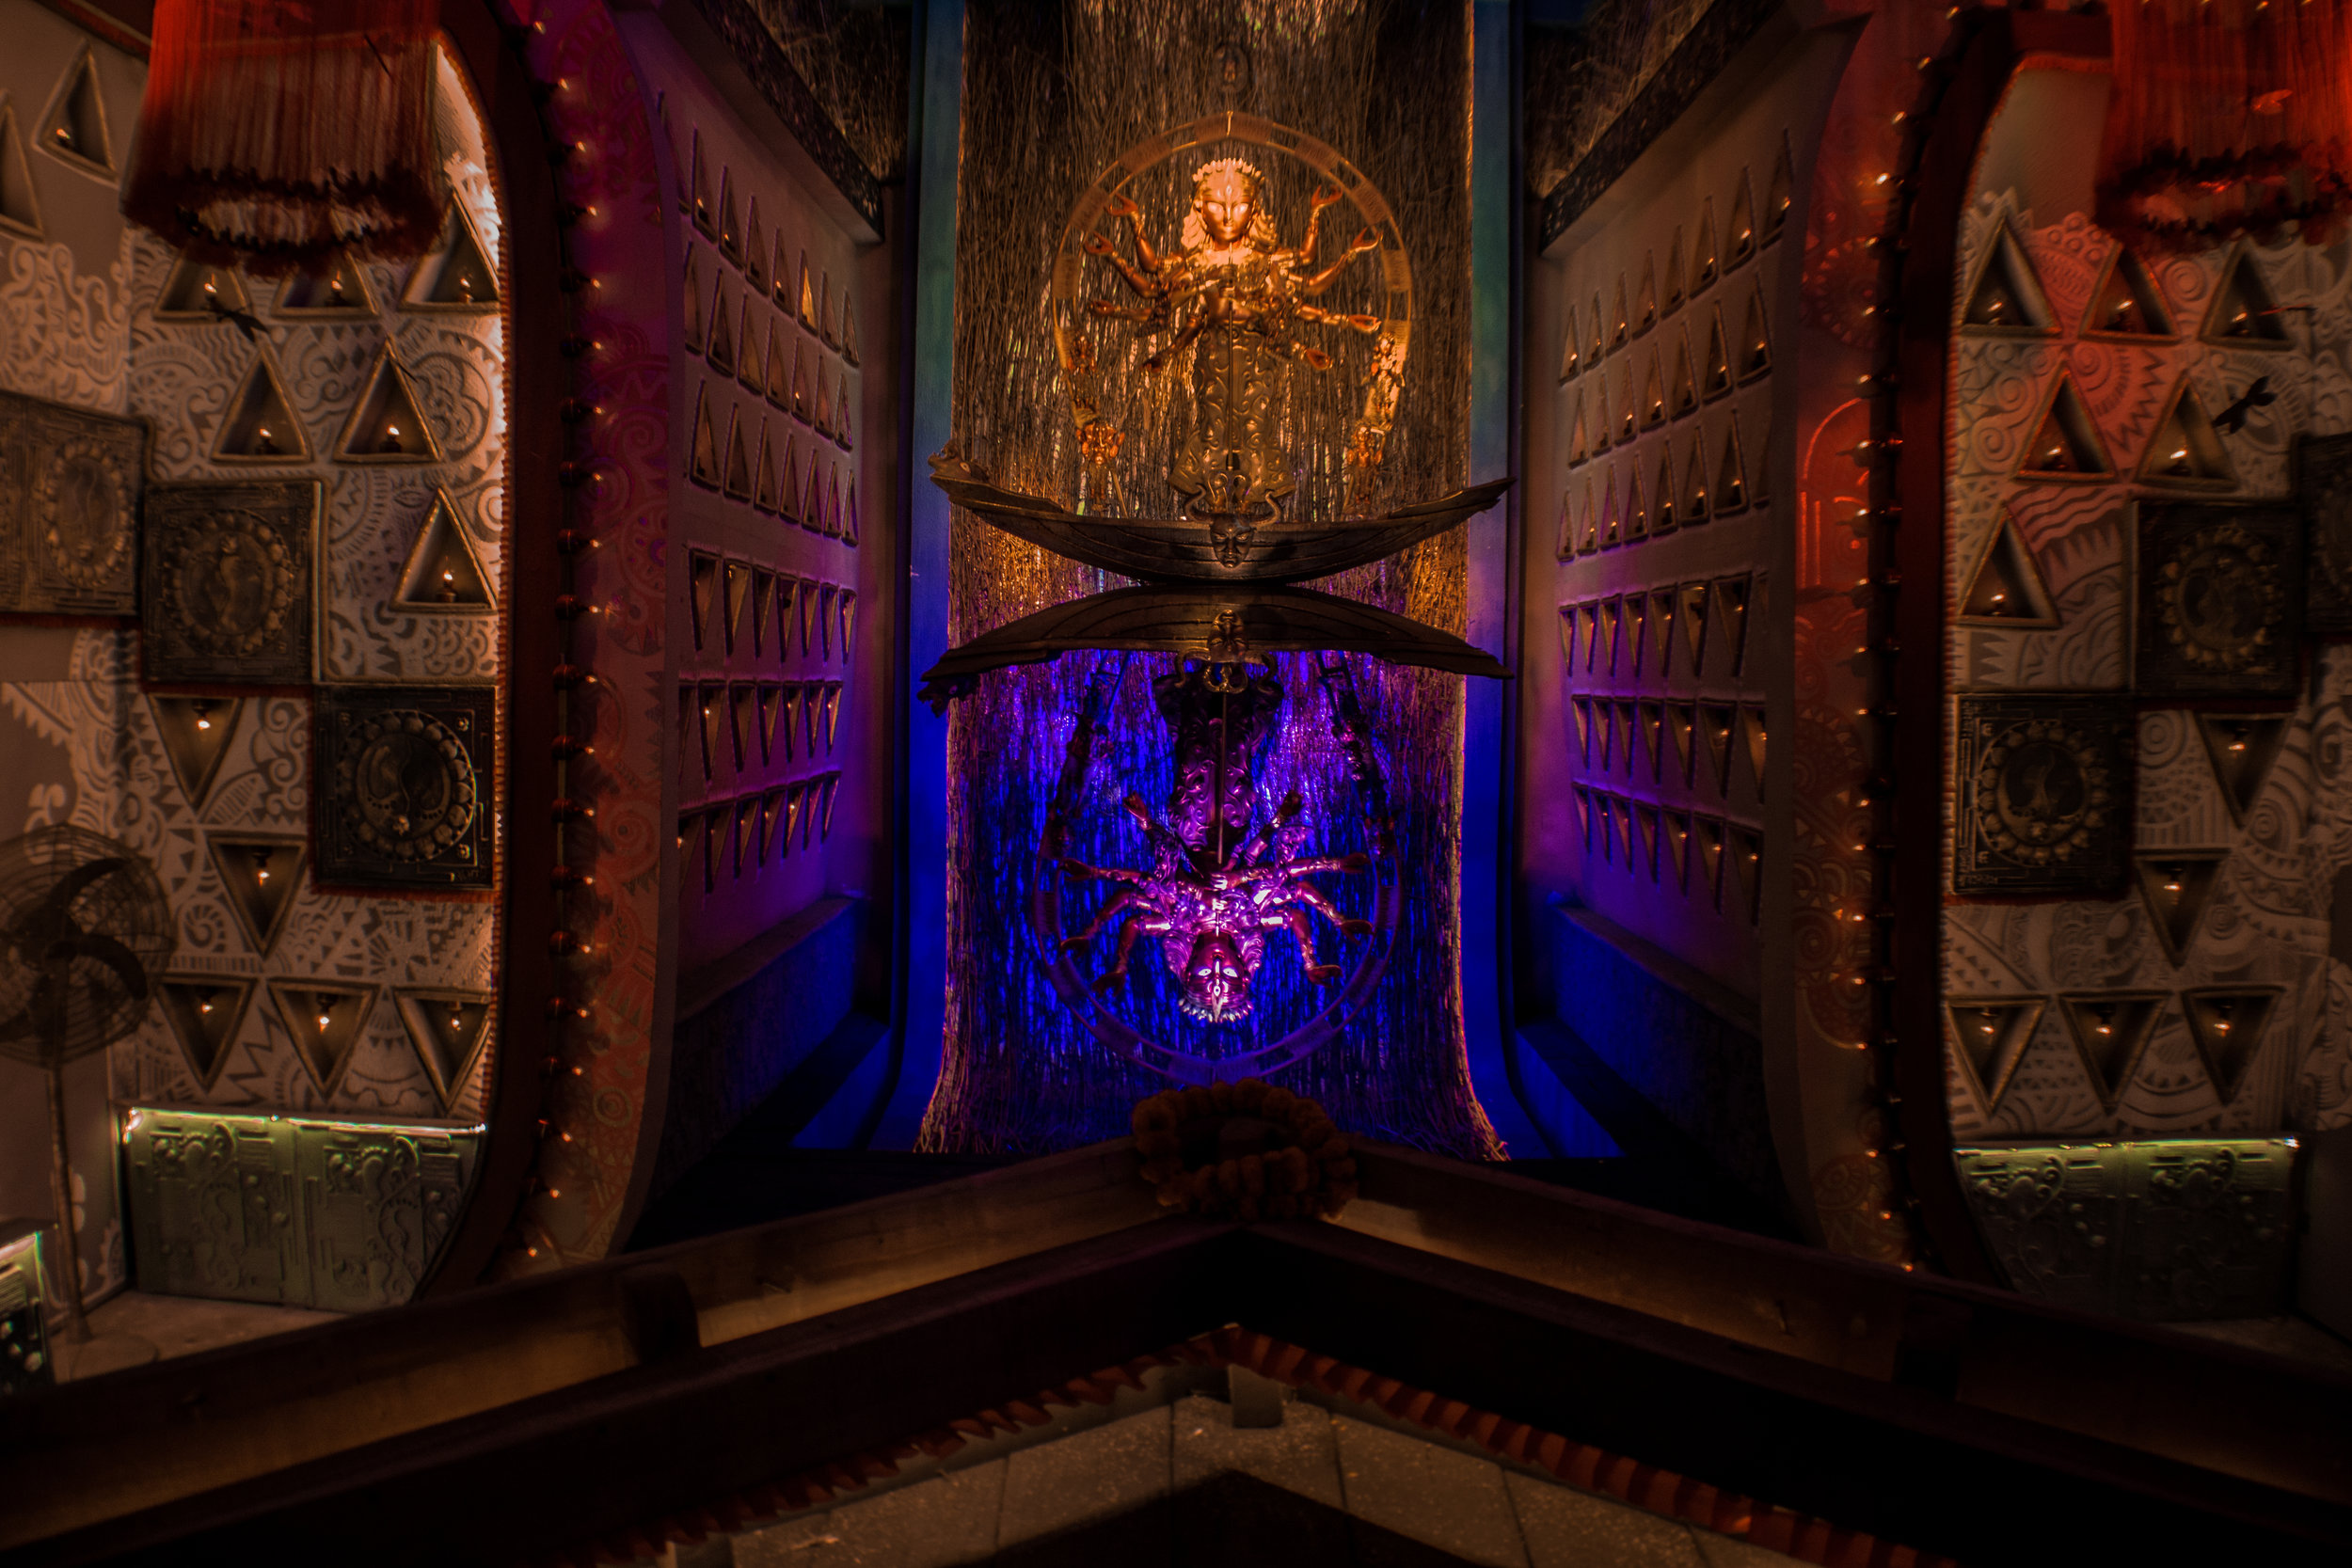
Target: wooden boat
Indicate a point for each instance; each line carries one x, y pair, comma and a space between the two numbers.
1190, 549
1217, 623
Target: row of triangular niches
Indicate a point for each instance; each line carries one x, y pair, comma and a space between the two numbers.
327, 1019
387, 423
1594, 332
455, 276
2111, 1031
2184, 450
72, 129
2006, 298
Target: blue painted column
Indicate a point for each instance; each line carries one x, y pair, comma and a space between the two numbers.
923, 972
1486, 726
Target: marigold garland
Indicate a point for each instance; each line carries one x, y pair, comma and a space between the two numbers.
1244, 1151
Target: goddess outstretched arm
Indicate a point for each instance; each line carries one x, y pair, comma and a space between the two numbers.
1126, 898
1324, 195
1304, 931
1365, 241
1129, 929
1100, 245
1124, 207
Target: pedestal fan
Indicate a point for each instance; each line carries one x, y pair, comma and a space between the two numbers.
83, 924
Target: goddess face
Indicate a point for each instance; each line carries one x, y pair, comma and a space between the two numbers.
1216, 987
1226, 197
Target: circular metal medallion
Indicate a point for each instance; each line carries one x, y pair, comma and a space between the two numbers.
84, 514
2041, 799
406, 784
230, 585
2218, 597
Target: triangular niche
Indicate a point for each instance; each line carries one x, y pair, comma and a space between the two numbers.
1991, 1035
1695, 507
1636, 611
826, 328
1636, 507
763, 608
702, 588
195, 733
195, 288
1756, 339
1570, 360
1683, 395
2226, 1026
1731, 474
1706, 834
754, 254
1645, 298
771, 702
698, 193
778, 381
2006, 296
848, 536
75, 126
1653, 396
1693, 612
750, 364
735, 587
2176, 887
1645, 818
443, 575
2006, 587
386, 425
1747, 860
779, 274
736, 462
457, 276
260, 875
1703, 258
2187, 450
1592, 354
812, 512
771, 813
799, 383
848, 330
1741, 236
1662, 621
447, 1029
2109, 1033
2065, 443
691, 303
1753, 741
1677, 843
1620, 326
2244, 313
19, 202
1579, 438
1717, 721
2242, 747
806, 307
1674, 274
260, 426
1731, 608
1629, 424
725, 322
2126, 303
842, 436
730, 233
1652, 718
1780, 195
341, 293
327, 1020
703, 462
1663, 519
789, 496
1716, 379
204, 1012
764, 473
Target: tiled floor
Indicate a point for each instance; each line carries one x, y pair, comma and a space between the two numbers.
1470, 1509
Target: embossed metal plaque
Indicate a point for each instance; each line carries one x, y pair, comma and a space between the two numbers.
2044, 794
2220, 606
2161, 1228
404, 781
305, 1211
229, 577
70, 485
2323, 485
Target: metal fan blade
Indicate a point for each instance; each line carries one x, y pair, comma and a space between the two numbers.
106, 950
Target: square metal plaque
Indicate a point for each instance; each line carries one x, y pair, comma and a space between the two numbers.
404, 786
2042, 788
2221, 600
230, 576
70, 486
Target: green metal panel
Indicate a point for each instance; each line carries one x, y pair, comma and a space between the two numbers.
299, 1211
2169, 1230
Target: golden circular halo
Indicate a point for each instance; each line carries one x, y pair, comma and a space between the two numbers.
1396, 272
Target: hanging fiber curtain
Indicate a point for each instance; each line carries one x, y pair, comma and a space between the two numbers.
2229, 117
282, 136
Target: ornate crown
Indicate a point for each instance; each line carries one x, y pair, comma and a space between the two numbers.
1226, 168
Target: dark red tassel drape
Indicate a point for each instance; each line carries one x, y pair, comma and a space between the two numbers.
281, 136
2230, 117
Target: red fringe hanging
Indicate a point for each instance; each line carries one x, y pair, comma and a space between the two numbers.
2230, 117
280, 136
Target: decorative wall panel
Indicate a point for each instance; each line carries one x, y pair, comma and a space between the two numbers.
2155, 469
2176, 1230
342, 1215
333, 420
70, 484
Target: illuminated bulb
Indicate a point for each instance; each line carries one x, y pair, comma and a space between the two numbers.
324, 1020
205, 1006
1882, 180
1998, 598
2172, 887
211, 287
2237, 746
